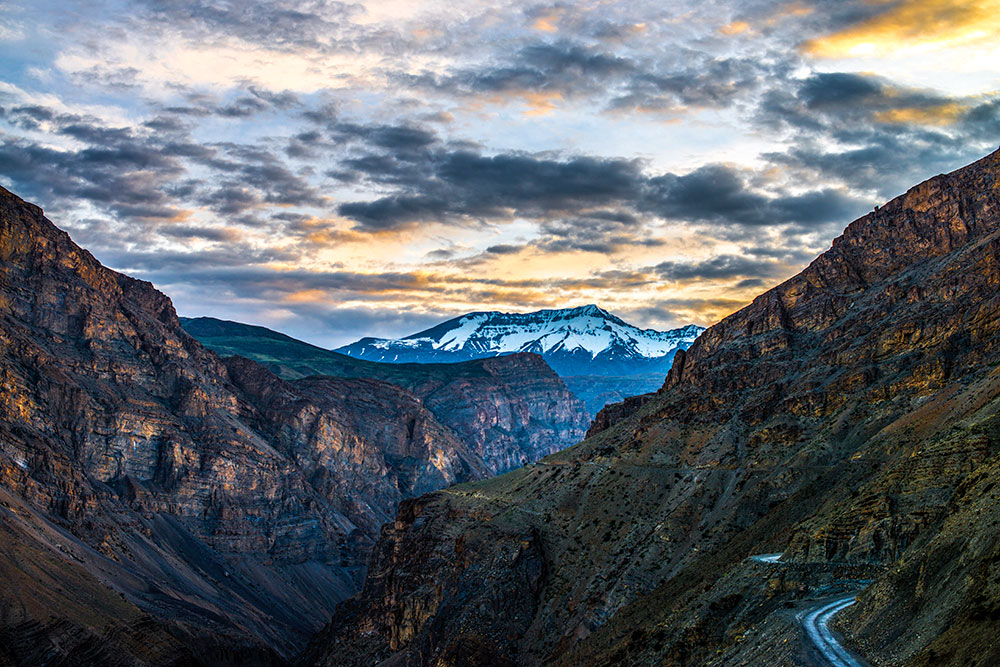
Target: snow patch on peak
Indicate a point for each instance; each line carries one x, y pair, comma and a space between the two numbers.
585, 329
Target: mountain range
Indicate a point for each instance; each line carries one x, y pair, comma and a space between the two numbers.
600, 357
834, 446
511, 410
161, 504
838, 438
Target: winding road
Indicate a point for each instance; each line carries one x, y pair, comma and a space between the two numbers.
816, 626
816, 623
767, 558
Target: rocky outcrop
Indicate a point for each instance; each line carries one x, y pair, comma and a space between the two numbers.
847, 415
225, 510
516, 412
507, 410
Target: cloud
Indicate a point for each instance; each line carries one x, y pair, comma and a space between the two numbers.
869, 134
465, 185
912, 25
721, 266
503, 249
217, 234
702, 81
123, 177
542, 74
564, 68
721, 194
283, 24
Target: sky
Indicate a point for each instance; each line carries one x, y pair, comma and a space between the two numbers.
335, 170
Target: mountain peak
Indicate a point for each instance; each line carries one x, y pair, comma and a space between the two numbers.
589, 309
584, 340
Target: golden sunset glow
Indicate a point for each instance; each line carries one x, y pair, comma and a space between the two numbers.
914, 25
341, 170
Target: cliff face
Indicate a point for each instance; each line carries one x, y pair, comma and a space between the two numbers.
847, 415
516, 412
508, 410
212, 510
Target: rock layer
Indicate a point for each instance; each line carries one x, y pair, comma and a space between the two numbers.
508, 410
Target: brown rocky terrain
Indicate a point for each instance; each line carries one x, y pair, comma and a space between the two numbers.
847, 417
160, 505
510, 410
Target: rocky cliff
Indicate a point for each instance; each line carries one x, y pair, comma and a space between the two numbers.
163, 506
847, 416
508, 410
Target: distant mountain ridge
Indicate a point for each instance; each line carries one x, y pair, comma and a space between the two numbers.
587, 340
510, 410
601, 357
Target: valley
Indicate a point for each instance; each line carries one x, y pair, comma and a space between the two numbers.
499, 334
847, 416
224, 510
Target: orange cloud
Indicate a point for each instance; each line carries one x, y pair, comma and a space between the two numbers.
793, 9
306, 296
540, 104
942, 114
547, 23
735, 28
914, 25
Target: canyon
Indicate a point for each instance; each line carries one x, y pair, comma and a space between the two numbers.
270, 502
162, 504
847, 418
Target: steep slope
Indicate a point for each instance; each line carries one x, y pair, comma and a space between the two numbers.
847, 415
150, 484
601, 357
509, 410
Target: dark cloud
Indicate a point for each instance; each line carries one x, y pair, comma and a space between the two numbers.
241, 107
119, 79
255, 101
166, 123
462, 184
199, 232
504, 249
889, 163
572, 70
143, 173
837, 90
720, 194
125, 178
702, 81
722, 266
567, 68
582, 202
870, 134
278, 24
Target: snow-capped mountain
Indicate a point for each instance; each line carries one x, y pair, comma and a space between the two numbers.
574, 341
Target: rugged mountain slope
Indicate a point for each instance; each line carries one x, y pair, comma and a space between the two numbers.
849, 414
601, 357
161, 505
509, 410
575, 341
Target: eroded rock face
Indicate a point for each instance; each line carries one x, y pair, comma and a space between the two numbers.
230, 509
517, 413
838, 418
508, 410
